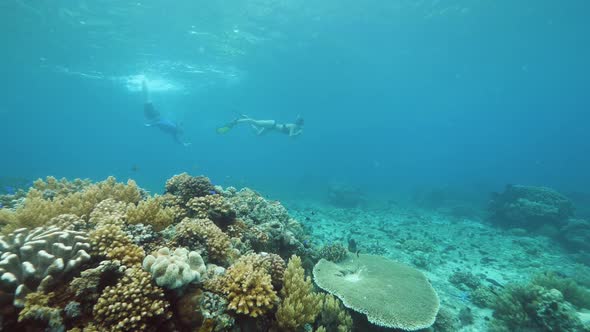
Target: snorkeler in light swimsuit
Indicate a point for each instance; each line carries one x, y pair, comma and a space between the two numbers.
262, 127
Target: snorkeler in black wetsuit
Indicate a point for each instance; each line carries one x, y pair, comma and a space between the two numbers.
154, 119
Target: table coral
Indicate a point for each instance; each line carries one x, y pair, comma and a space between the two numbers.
39, 258
174, 270
133, 304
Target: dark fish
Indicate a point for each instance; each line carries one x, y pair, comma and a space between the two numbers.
9, 190
134, 168
212, 192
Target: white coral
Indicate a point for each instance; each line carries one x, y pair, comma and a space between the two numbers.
35, 259
174, 270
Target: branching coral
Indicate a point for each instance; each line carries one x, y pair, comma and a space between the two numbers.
133, 304
218, 243
111, 242
39, 258
151, 212
52, 187
333, 315
300, 305
248, 289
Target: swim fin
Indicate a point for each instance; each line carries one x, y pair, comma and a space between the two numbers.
223, 130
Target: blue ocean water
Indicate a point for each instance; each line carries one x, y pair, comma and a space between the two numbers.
397, 96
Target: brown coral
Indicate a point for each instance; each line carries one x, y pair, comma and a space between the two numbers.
218, 243
300, 304
186, 187
213, 207
133, 304
333, 315
110, 241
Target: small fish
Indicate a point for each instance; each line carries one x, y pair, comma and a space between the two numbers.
357, 253
212, 192
1, 206
134, 168
307, 218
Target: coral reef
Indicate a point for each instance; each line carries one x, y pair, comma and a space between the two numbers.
572, 292
133, 304
174, 270
39, 258
575, 235
300, 305
529, 207
531, 307
90, 283
394, 295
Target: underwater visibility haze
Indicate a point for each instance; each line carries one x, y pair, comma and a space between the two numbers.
283, 165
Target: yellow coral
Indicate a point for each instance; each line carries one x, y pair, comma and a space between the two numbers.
300, 304
217, 242
248, 290
110, 241
133, 304
108, 212
61, 187
334, 316
151, 212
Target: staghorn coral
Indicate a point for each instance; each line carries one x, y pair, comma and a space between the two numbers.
38, 210
186, 187
151, 212
300, 305
111, 242
174, 270
133, 304
333, 315
38, 259
213, 207
217, 243
248, 289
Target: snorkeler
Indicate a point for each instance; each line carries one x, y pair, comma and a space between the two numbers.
262, 127
154, 119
